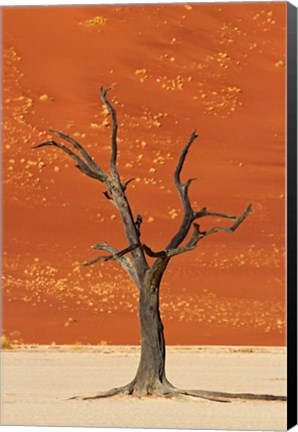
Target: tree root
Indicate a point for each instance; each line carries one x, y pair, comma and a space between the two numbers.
169, 391
125, 390
224, 397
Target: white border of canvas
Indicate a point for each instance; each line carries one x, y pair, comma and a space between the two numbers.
96, 2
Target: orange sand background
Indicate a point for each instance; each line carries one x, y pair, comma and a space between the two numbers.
217, 67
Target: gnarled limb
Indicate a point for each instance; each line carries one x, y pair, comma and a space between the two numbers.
153, 254
199, 235
205, 212
162, 259
93, 261
83, 152
189, 215
173, 248
181, 161
231, 229
117, 190
118, 256
138, 223
81, 165
182, 189
113, 163
196, 236
126, 183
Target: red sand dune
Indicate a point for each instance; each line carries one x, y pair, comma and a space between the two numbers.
217, 67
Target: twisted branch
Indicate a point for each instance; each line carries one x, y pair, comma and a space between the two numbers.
205, 212
231, 229
118, 256
103, 94
197, 235
153, 254
182, 189
83, 152
190, 216
126, 183
81, 165
115, 192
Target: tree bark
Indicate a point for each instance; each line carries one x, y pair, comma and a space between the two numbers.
150, 375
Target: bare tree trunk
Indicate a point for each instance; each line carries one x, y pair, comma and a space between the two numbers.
151, 372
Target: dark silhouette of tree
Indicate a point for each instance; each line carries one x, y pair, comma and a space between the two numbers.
150, 378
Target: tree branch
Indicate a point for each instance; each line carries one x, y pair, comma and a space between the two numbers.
183, 194
117, 189
199, 235
205, 212
188, 183
190, 216
182, 159
118, 256
138, 223
231, 229
83, 152
191, 245
81, 165
115, 192
93, 261
115, 253
152, 254
168, 253
164, 256
103, 94
126, 183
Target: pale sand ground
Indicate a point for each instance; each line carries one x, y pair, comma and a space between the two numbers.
37, 381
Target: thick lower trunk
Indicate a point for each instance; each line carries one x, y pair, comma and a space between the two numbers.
150, 378
151, 372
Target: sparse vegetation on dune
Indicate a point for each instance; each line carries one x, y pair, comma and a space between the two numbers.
208, 86
6, 343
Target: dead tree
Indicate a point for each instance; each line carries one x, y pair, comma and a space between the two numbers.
150, 378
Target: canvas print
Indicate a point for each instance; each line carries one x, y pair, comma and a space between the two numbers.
144, 206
